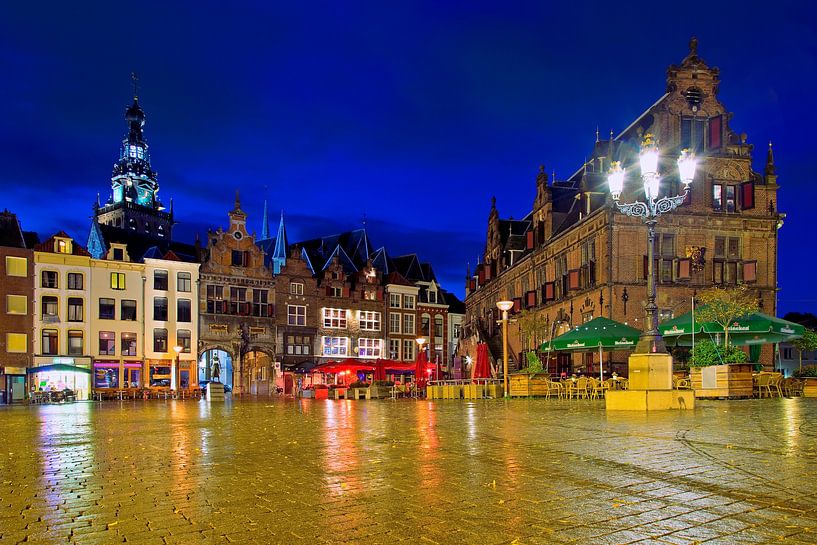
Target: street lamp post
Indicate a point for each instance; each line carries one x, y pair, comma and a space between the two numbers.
175, 370
649, 211
505, 306
418, 379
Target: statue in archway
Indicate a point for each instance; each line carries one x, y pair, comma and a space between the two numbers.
216, 371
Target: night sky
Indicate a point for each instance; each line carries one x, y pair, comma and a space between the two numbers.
411, 113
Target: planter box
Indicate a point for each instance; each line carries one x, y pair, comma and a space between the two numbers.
734, 380
378, 392
307, 394
337, 393
524, 385
809, 387
321, 393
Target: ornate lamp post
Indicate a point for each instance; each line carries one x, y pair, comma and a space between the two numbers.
505, 306
649, 211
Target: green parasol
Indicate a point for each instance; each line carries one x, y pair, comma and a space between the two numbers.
597, 334
753, 329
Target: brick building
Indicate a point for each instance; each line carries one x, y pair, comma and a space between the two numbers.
572, 257
17, 295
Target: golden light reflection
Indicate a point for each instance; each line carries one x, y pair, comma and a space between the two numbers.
66, 446
793, 419
341, 455
429, 443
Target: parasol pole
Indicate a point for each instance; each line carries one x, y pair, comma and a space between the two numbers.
601, 364
693, 324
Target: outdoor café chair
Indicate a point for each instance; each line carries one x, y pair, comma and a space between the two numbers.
581, 388
555, 388
569, 388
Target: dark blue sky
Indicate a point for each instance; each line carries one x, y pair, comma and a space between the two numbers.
412, 113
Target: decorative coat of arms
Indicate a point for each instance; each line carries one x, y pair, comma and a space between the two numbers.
696, 257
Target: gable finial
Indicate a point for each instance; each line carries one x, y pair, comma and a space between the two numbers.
693, 46
237, 200
597, 133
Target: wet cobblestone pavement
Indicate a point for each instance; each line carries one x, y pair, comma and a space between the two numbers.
369, 472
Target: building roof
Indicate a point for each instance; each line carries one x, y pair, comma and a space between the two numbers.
141, 246
11, 234
48, 245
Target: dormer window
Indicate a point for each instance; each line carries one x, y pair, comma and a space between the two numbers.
432, 296
62, 246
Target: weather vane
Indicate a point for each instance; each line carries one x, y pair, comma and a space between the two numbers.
134, 77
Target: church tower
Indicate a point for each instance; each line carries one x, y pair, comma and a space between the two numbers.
134, 203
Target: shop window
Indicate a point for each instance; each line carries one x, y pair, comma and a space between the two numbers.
16, 266
160, 309
133, 377
106, 376
50, 342
183, 282
50, 306
117, 281
107, 343
160, 376
128, 344
16, 304
296, 315
160, 280
183, 339
75, 281
16, 343
160, 340
48, 279
128, 310
183, 310
107, 309
75, 309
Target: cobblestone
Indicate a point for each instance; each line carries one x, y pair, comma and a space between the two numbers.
488, 472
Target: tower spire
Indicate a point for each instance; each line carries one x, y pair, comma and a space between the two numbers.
770, 160
237, 200
265, 223
279, 253
134, 78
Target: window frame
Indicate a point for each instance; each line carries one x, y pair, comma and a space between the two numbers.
110, 342
294, 317
335, 318
184, 282
73, 285
117, 281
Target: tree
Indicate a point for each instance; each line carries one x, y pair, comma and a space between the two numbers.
532, 329
725, 305
806, 343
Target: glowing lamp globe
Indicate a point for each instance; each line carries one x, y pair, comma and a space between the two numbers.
504, 306
615, 179
177, 349
648, 157
686, 167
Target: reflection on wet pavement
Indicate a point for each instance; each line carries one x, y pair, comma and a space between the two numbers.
314, 471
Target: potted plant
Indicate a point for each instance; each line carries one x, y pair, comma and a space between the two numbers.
719, 371
530, 381
809, 377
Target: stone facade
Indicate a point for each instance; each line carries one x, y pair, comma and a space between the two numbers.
573, 257
236, 298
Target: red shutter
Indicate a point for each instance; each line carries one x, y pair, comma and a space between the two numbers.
328, 291
345, 291
530, 299
573, 279
488, 272
684, 268
517, 304
549, 290
750, 271
529, 240
379, 294
472, 284
747, 195
481, 273
715, 131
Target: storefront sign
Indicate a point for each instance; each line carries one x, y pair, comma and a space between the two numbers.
15, 370
258, 330
218, 328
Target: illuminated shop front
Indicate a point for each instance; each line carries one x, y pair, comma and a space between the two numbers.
62, 373
161, 374
113, 374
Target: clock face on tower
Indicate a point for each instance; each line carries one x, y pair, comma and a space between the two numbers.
144, 196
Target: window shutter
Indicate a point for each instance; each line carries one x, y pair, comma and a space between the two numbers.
750, 271
488, 271
529, 240
715, 132
346, 291
517, 304
573, 279
481, 274
472, 284
684, 268
530, 299
379, 294
747, 195
549, 290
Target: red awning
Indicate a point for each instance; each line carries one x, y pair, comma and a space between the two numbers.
345, 365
